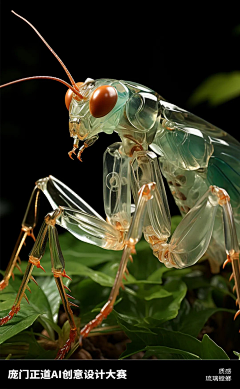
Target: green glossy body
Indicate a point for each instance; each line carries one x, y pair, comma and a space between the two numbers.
193, 154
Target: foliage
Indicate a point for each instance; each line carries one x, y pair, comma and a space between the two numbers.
154, 309
217, 89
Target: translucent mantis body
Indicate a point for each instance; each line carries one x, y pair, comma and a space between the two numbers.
199, 161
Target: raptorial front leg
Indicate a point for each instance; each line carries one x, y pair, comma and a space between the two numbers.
47, 231
28, 224
34, 260
74, 214
133, 236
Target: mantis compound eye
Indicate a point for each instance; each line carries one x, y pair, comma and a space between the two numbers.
102, 100
68, 95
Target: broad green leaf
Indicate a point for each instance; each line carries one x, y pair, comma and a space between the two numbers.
24, 319
24, 345
158, 274
210, 350
193, 322
89, 294
161, 310
152, 306
156, 292
132, 309
49, 287
179, 273
206, 349
217, 89
38, 307
17, 349
144, 262
162, 352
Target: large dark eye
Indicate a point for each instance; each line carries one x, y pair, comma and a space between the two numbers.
102, 100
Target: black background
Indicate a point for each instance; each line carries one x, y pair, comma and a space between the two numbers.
170, 49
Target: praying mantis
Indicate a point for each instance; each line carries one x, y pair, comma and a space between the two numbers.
199, 161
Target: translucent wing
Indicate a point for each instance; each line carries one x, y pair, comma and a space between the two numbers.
189, 141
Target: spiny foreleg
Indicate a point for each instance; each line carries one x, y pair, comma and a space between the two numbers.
47, 231
28, 224
34, 260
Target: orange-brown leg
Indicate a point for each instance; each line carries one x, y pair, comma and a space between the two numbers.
47, 230
58, 274
58, 269
133, 236
231, 240
28, 224
34, 260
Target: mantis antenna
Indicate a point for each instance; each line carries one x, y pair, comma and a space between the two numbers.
74, 87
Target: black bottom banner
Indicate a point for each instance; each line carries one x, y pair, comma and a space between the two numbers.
147, 374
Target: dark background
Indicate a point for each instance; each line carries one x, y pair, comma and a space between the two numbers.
171, 50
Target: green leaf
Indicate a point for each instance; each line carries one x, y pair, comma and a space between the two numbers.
156, 292
18, 323
176, 340
152, 306
161, 310
210, 350
24, 345
237, 354
157, 275
217, 89
49, 288
89, 294
38, 307
162, 352
144, 262
192, 322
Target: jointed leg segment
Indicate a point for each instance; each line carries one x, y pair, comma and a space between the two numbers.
231, 241
47, 231
28, 224
133, 236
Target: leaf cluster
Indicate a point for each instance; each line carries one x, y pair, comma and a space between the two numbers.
162, 311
